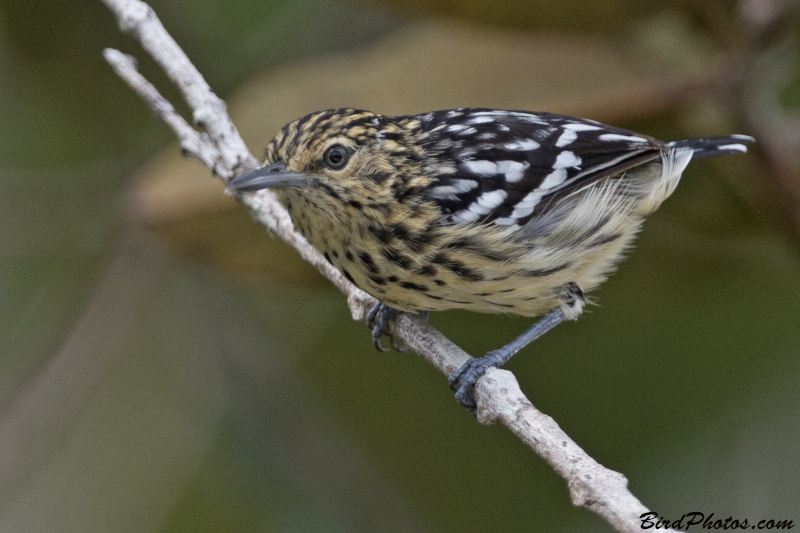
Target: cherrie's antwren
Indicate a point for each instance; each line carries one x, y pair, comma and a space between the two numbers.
481, 209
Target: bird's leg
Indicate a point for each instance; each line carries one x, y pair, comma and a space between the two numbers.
463, 380
377, 318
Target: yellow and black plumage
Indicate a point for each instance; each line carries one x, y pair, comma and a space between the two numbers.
488, 210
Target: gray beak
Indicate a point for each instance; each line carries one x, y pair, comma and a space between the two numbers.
268, 177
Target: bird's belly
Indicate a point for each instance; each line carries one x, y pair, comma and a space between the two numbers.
528, 283
486, 268
530, 298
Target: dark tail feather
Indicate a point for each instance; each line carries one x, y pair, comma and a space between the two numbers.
714, 146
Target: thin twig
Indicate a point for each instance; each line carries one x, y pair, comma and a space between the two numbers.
193, 143
498, 395
220, 147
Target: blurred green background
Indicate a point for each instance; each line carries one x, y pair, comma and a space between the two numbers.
165, 365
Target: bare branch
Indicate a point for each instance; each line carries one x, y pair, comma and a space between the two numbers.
209, 111
498, 394
193, 143
220, 147
591, 485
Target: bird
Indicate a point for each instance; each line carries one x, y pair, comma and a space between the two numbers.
488, 210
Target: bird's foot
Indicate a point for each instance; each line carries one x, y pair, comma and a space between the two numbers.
377, 319
463, 380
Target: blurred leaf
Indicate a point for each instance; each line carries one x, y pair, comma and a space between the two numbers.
607, 16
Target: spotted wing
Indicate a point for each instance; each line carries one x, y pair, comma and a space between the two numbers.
507, 166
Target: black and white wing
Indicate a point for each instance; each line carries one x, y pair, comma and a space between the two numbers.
507, 166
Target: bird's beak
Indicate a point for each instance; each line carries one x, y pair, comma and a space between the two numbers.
268, 177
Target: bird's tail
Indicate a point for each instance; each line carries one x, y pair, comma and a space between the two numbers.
714, 146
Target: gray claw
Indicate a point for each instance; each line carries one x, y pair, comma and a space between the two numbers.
463, 380
376, 319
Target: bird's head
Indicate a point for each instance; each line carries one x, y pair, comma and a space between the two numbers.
339, 159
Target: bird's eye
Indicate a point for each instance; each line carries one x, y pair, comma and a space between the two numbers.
335, 157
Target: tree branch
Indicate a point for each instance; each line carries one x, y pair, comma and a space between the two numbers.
220, 147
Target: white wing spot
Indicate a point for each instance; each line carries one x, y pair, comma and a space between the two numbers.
485, 136
617, 137
465, 216
581, 127
480, 119
567, 159
566, 138
556, 177
522, 145
465, 185
491, 113
461, 129
521, 212
527, 117
481, 167
479, 209
513, 170
451, 191
492, 199
444, 192
484, 205
523, 208
531, 199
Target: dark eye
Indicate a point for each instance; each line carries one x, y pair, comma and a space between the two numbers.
335, 157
